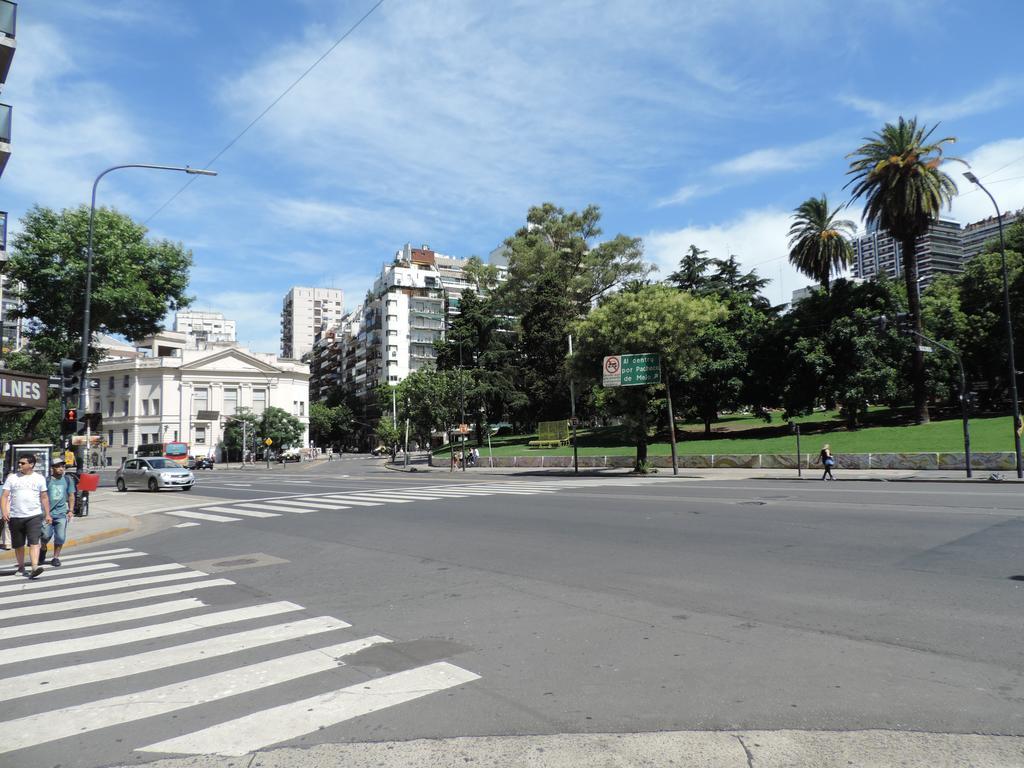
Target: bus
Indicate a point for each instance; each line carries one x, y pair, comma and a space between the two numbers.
175, 451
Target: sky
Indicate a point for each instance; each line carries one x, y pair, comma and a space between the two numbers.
441, 122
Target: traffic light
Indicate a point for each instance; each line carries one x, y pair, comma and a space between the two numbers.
903, 322
69, 424
70, 378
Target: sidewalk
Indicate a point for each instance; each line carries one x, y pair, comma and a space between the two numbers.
738, 473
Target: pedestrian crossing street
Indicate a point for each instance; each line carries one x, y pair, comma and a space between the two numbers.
234, 511
94, 651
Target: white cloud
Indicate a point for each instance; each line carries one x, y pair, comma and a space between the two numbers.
777, 159
987, 99
757, 238
1000, 167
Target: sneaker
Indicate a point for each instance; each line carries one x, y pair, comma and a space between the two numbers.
36, 572
55, 562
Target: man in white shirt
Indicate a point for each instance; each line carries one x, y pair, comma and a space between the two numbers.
25, 505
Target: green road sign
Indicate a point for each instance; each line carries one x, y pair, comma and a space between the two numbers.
631, 370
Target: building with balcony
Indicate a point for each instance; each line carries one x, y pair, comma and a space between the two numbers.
305, 312
204, 328
8, 43
173, 392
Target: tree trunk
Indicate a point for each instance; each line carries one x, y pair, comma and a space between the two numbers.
909, 247
641, 454
29, 433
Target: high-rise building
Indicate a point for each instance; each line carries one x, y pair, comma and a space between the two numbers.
8, 43
204, 328
977, 234
305, 313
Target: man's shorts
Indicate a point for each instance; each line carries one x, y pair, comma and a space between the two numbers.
26, 528
58, 531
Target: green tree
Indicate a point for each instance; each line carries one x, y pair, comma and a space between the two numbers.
819, 241
330, 425
692, 268
135, 281
430, 400
234, 432
897, 172
557, 269
281, 427
654, 319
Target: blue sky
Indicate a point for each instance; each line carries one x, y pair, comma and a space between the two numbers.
441, 122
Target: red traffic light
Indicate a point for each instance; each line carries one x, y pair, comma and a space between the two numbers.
71, 415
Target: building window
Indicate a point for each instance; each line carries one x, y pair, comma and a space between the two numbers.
124, 408
110, 437
302, 408
110, 383
230, 402
110, 410
200, 398
127, 381
200, 435
259, 401
145, 438
392, 378
124, 437
156, 406
145, 407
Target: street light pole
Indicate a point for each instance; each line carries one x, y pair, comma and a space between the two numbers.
86, 331
1009, 324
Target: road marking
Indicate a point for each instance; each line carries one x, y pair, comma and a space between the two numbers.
27, 586
242, 512
80, 569
378, 497
201, 516
239, 485
124, 597
261, 506
354, 502
152, 631
271, 726
111, 617
316, 504
102, 553
55, 724
74, 564
93, 588
186, 525
149, 661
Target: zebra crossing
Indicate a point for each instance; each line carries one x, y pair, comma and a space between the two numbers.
234, 511
151, 655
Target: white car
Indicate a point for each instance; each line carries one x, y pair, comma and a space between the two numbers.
155, 474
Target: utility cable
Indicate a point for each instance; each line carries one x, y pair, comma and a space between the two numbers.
269, 107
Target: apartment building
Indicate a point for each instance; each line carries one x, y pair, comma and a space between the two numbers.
175, 392
304, 313
942, 250
8, 44
204, 328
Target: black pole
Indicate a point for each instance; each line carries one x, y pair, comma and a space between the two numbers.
572, 411
1009, 327
963, 395
671, 428
799, 466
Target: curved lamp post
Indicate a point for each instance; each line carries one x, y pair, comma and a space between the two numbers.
86, 330
1009, 324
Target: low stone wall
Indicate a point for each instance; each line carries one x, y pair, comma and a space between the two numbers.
921, 461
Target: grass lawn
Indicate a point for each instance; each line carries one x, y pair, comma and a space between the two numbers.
883, 433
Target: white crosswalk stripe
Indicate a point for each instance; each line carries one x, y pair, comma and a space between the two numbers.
340, 500
250, 664
59, 580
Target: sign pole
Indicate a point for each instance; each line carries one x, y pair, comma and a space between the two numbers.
572, 411
671, 427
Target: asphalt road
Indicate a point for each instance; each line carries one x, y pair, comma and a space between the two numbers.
525, 605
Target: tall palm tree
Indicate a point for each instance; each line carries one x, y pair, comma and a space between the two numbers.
819, 244
897, 173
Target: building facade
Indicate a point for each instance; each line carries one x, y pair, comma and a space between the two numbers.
8, 44
177, 393
304, 313
205, 328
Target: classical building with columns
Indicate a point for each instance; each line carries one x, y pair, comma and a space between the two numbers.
176, 393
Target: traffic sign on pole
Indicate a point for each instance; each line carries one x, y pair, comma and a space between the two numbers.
631, 370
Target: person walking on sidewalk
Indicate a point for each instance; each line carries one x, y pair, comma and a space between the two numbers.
61, 491
828, 461
25, 505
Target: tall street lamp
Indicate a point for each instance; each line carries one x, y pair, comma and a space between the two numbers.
86, 331
1009, 325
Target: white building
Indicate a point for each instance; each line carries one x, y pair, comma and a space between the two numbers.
176, 393
204, 328
304, 313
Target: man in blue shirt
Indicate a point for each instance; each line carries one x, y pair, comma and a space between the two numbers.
61, 491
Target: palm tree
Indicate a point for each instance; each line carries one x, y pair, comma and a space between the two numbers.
818, 241
897, 172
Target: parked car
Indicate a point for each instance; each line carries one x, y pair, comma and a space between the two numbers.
154, 473
200, 462
292, 454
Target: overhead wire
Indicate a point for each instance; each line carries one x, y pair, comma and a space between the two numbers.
267, 109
